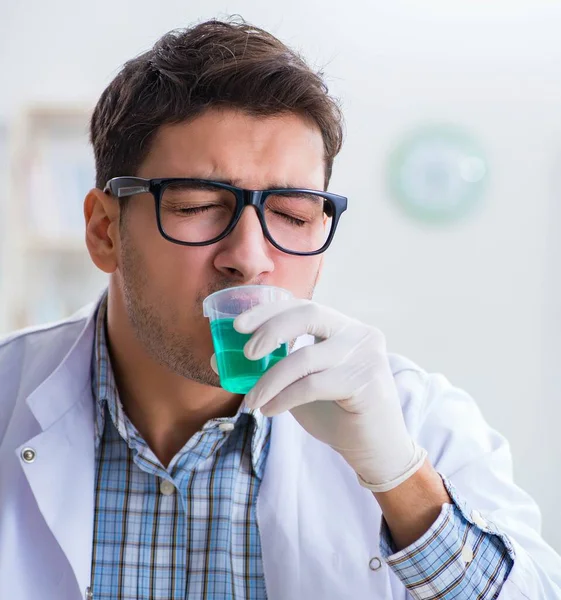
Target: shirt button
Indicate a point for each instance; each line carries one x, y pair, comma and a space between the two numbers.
479, 520
375, 563
467, 554
166, 487
226, 427
28, 455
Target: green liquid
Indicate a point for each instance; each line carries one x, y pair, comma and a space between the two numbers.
238, 374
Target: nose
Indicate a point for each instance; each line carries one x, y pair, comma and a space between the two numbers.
245, 254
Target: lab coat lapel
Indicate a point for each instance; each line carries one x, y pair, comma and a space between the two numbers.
319, 528
62, 475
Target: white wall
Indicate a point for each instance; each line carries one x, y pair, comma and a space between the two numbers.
478, 301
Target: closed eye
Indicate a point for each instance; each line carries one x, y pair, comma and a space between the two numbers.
194, 210
292, 220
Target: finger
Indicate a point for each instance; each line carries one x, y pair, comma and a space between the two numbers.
309, 318
295, 366
213, 364
335, 384
251, 319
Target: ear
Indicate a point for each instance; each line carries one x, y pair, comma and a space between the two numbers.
101, 212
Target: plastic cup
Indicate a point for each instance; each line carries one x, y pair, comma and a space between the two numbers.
237, 373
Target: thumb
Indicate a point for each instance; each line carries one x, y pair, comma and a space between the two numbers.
213, 364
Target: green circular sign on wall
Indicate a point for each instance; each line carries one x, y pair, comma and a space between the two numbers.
437, 173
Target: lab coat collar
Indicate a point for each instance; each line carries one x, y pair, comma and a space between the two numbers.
46, 402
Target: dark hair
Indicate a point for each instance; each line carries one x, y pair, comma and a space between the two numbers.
211, 65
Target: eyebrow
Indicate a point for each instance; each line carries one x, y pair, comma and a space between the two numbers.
272, 186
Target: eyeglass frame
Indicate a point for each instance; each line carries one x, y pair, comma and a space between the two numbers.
124, 187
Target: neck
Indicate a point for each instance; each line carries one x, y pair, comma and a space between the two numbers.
166, 408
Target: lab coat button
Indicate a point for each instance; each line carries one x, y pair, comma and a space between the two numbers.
375, 563
28, 455
166, 487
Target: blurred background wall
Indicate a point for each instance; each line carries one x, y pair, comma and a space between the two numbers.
477, 297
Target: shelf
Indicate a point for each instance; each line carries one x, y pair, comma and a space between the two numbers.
46, 271
37, 243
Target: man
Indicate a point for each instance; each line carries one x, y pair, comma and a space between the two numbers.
126, 472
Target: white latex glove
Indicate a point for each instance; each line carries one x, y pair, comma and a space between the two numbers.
340, 389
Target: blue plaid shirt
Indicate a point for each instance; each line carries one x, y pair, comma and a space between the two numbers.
190, 530
185, 531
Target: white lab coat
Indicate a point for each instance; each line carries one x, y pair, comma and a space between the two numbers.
319, 528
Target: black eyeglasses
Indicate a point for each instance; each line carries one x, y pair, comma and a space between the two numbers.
198, 212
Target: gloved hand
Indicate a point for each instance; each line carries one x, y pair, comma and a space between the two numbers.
340, 389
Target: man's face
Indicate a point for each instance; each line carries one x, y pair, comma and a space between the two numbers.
163, 284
